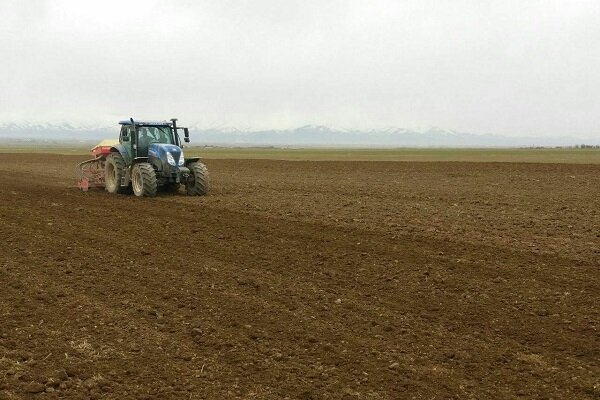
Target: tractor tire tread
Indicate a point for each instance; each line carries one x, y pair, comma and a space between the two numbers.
149, 183
119, 164
199, 187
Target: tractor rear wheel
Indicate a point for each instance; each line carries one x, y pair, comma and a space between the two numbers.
198, 186
114, 171
143, 180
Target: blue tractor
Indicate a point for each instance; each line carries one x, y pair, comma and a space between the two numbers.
149, 158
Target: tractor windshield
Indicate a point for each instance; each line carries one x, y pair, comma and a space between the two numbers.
154, 134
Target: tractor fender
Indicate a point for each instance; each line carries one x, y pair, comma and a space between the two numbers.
156, 162
191, 160
124, 151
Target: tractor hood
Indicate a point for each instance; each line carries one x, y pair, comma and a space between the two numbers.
160, 150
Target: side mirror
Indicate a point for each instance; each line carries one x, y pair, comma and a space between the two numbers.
186, 139
186, 133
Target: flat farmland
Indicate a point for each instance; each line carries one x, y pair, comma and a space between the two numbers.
303, 280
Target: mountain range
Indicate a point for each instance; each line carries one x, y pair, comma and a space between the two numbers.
308, 135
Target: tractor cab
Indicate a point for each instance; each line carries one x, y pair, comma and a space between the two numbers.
139, 136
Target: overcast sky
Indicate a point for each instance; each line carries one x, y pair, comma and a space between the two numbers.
507, 67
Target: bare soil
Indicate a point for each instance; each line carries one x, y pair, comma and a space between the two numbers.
303, 280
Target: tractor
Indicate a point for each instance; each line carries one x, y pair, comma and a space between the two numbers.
147, 158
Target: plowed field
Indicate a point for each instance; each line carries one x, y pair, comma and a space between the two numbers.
303, 280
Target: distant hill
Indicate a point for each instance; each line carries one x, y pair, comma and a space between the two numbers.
308, 135
54, 133
315, 135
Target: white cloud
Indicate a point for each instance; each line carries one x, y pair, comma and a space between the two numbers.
510, 67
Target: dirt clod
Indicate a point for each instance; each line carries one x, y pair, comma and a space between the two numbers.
34, 387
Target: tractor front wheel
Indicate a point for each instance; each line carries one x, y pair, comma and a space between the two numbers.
198, 185
114, 170
143, 180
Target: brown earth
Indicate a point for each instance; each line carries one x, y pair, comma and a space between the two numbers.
303, 280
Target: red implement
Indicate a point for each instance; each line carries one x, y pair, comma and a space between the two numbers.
101, 151
91, 172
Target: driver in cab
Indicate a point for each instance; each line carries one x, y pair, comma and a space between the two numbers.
144, 139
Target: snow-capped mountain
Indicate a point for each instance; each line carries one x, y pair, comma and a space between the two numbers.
320, 135
54, 133
307, 135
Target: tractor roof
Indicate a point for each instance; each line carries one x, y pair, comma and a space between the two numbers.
149, 123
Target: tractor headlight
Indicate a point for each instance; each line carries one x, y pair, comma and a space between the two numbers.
181, 159
170, 159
